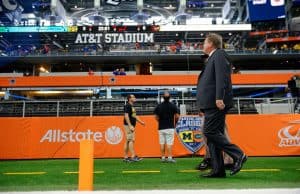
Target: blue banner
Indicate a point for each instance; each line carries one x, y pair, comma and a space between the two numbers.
262, 10
36, 29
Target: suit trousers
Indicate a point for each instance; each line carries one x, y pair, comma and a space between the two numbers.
217, 142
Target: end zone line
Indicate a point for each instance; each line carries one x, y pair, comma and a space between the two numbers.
139, 171
24, 173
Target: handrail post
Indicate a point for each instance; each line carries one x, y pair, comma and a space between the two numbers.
23, 112
239, 108
57, 109
91, 108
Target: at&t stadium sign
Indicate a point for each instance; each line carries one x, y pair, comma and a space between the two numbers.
112, 38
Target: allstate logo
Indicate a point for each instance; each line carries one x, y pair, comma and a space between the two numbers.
113, 135
189, 131
289, 136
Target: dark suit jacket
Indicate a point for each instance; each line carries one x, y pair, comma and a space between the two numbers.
214, 82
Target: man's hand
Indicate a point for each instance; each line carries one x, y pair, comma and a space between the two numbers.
142, 123
131, 128
201, 114
220, 104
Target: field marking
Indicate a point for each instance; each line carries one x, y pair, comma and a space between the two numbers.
188, 171
243, 170
139, 171
179, 191
71, 172
260, 170
76, 172
24, 173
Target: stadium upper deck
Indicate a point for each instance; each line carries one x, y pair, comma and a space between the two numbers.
102, 35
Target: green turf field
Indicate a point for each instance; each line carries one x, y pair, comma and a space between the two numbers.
113, 174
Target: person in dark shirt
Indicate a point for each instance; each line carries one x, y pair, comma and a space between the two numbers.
122, 71
166, 114
116, 72
130, 119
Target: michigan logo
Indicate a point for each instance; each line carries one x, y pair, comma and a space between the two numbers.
113, 135
189, 131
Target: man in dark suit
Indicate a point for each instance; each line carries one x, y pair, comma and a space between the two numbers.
214, 99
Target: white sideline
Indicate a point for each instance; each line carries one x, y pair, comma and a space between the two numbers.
222, 191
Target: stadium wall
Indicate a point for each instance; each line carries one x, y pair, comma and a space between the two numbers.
136, 80
58, 137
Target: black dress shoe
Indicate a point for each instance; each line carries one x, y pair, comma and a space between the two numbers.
214, 175
238, 165
206, 163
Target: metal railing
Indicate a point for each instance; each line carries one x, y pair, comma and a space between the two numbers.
144, 107
271, 105
147, 52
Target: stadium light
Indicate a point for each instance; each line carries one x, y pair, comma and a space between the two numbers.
170, 7
43, 70
48, 92
151, 67
83, 92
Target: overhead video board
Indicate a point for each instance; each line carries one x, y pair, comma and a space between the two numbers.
263, 10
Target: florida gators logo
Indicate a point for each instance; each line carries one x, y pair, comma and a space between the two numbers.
189, 131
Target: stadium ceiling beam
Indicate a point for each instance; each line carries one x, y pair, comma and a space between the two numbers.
140, 5
205, 28
4, 43
54, 42
97, 4
182, 6
58, 9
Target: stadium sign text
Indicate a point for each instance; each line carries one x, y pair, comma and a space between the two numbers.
289, 136
70, 136
109, 38
113, 135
